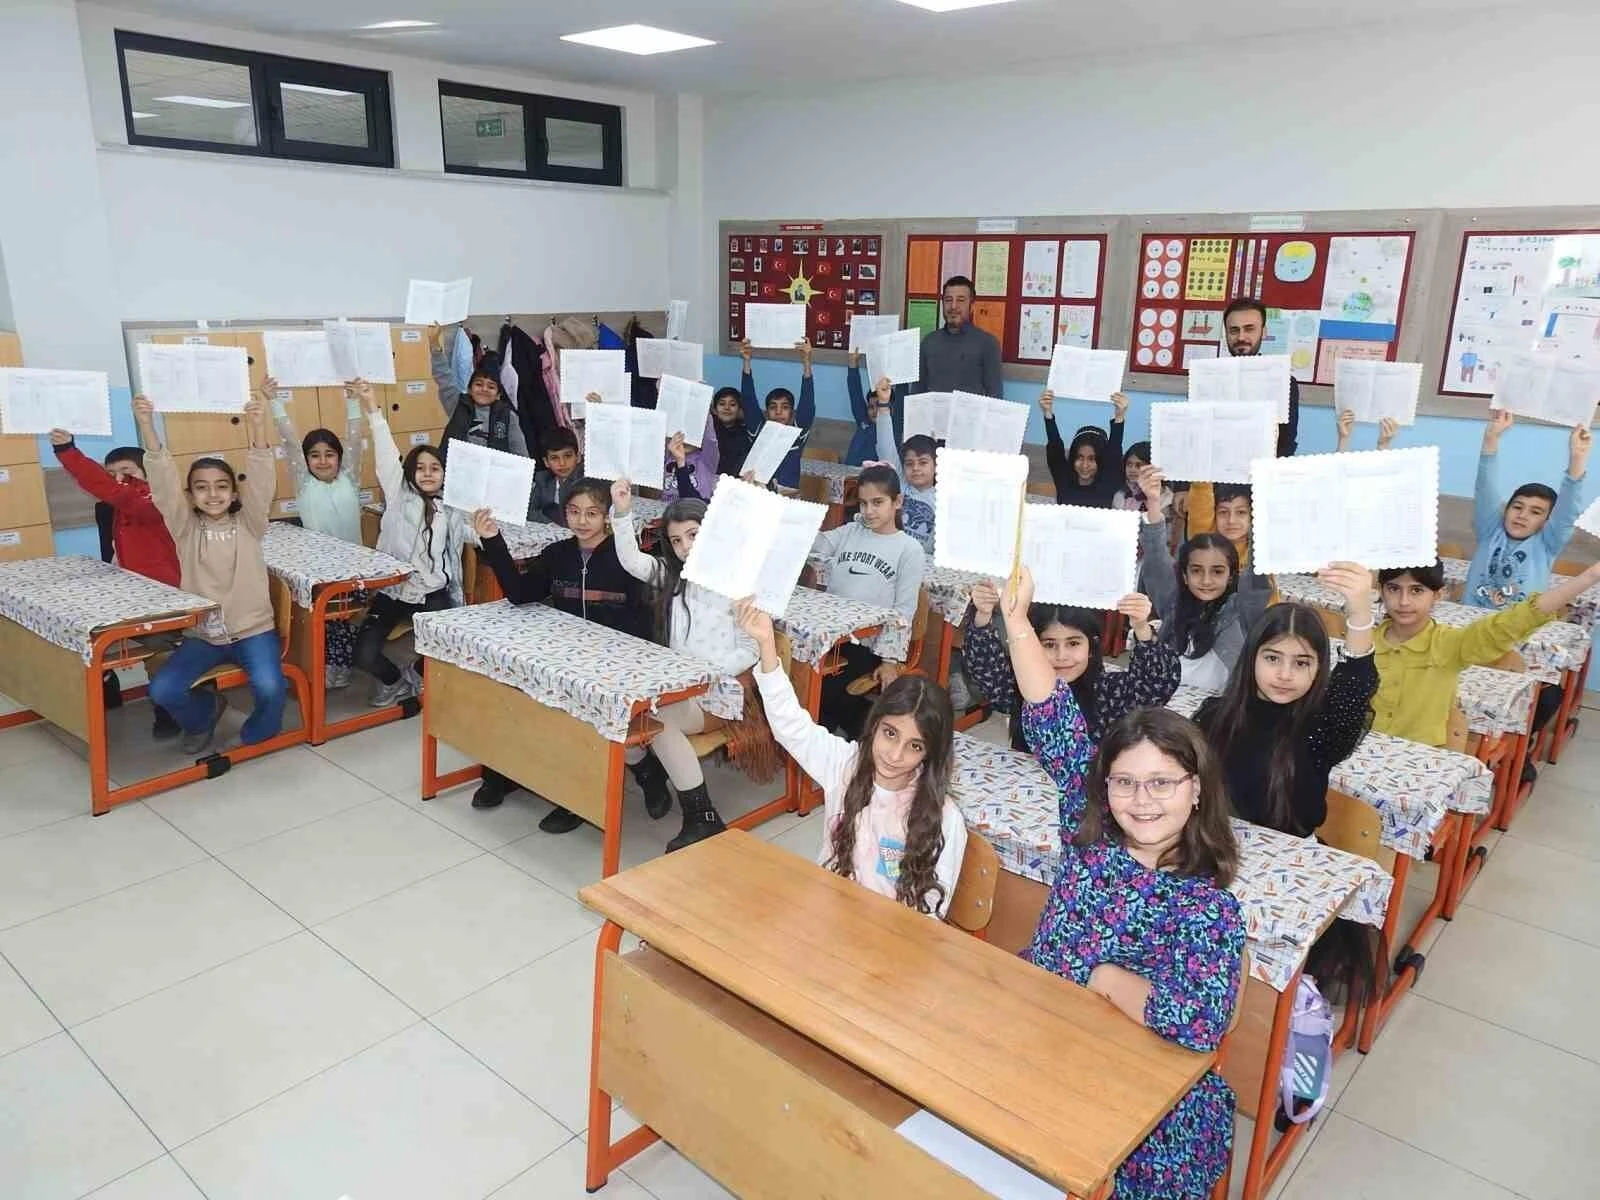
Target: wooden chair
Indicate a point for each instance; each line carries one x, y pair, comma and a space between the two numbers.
818, 454
1453, 550
716, 734
814, 489
868, 684
1356, 828
469, 572
1042, 489
972, 905
1457, 734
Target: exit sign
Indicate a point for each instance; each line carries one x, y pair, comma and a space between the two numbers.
492, 127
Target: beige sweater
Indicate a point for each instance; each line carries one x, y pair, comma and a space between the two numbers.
221, 560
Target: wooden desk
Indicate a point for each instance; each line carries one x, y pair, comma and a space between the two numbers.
908, 1012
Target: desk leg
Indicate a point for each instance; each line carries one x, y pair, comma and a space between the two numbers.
432, 782
611, 835
321, 729
23, 716
605, 1155
807, 795
1408, 963
1566, 719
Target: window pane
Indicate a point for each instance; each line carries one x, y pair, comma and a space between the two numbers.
322, 114
575, 144
190, 98
486, 134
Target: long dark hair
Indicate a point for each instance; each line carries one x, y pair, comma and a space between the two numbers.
1088, 623
679, 512
1206, 849
927, 704
430, 504
885, 477
215, 464
1194, 624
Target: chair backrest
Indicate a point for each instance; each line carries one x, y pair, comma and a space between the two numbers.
1453, 550
814, 488
1570, 566
785, 650
919, 628
818, 454
972, 906
1046, 488
1356, 828
1456, 731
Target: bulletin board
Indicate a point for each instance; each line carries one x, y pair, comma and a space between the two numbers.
835, 269
1031, 289
1329, 295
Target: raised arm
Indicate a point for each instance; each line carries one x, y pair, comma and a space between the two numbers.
634, 560
443, 375
385, 454
1570, 497
753, 414
888, 449
1055, 451
520, 587
90, 475
805, 413
1488, 504
261, 478
288, 435
1117, 426
1158, 576
983, 654
355, 432
858, 399
162, 473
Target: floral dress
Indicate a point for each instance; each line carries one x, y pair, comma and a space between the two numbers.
1185, 935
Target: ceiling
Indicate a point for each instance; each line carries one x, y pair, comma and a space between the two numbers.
800, 45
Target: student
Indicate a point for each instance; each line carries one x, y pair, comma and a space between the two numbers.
1228, 509
888, 820
916, 463
1130, 496
1070, 638
864, 442
734, 439
140, 541
1419, 660
580, 575
1084, 473
1518, 541
780, 407
873, 560
691, 472
217, 526
418, 529
701, 624
1387, 428
553, 483
1140, 911
482, 414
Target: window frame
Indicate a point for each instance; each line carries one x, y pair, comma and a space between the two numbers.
267, 72
536, 109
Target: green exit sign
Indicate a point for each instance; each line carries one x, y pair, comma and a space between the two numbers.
491, 127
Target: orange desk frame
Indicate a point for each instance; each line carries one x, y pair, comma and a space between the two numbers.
321, 613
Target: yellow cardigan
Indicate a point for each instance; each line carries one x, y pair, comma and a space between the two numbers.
1417, 679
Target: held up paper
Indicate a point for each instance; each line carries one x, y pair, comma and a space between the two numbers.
658, 357
984, 423
301, 358
677, 318
600, 371
771, 447
775, 326
1379, 508
361, 350
194, 378
1081, 556
623, 442
865, 329
1589, 521
1261, 379
1213, 443
429, 303
896, 356
1086, 374
684, 405
483, 478
756, 544
928, 413
34, 400
1560, 391
977, 510
1374, 390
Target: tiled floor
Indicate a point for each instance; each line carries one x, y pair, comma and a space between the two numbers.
300, 981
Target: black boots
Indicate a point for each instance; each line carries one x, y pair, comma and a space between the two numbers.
652, 779
700, 818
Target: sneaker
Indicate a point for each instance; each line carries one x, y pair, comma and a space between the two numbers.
560, 820
389, 694
412, 678
165, 728
338, 677
196, 744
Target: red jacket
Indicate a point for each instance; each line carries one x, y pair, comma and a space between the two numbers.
140, 536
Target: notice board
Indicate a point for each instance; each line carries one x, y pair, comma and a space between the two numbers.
835, 269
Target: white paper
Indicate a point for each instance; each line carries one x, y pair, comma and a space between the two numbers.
1373, 390
1213, 443
1379, 508
970, 1158
984, 423
677, 318
1080, 269
1258, 379
896, 357
771, 447
1040, 262
602, 372
361, 350
928, 413
774, 326
1087, 374
194, 378
1589, 521
34, 400
795, 532
865, 329
479, 477
299, 358
753, 543
429, 303
1561, 391
1081, 556
977, 510
684, 405
658, 357
623, 442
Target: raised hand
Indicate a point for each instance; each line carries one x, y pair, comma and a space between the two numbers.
676, 448
985, 599
1499, 421
1347, 424
1353, 582
1018, 596
1119, 403
756, 623
1047, 404
1578, 457
1387, 428
621, 497
60, 437
484, 524
1137, 608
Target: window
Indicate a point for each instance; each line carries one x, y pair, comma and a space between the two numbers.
197, 97
489, 132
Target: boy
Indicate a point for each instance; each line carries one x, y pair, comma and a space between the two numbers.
140, 540
917, 466
865, 408
1226, 508
733, 439
553, 484
482, 414
1518, 543
780, 407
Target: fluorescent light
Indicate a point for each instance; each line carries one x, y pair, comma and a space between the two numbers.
405, 23
942, 6
203, 102
637, 39
138, 116
315, 91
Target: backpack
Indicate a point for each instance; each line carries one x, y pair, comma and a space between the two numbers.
1308, 1059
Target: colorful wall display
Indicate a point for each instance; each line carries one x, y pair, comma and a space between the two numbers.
834, 275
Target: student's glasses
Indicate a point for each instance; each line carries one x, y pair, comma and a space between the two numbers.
1126, 787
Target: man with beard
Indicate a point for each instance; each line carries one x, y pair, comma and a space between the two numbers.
1245, 323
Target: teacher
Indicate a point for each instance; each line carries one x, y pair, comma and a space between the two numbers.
960, 357
1245, 324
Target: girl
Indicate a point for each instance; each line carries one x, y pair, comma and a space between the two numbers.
692, 470
890, 824
1419, 660
701, 624
1084, 473
416, 529
327, 499
1071, 641
217, 527
1130, 496
733, 438
1140, 911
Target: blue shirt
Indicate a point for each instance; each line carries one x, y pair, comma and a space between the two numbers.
1507, 570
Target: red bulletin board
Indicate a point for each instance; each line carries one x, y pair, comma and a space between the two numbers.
834, 274
1328, 295
1033, 289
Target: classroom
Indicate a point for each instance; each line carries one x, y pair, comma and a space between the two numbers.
538, 547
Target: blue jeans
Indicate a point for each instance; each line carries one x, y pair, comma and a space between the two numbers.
258, 655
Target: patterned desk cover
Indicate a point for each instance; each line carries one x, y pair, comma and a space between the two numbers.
950, 591
307, 560
1288, 888
67, 600
1584, 611
526, 541
837, 475
586, 670
816, 622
